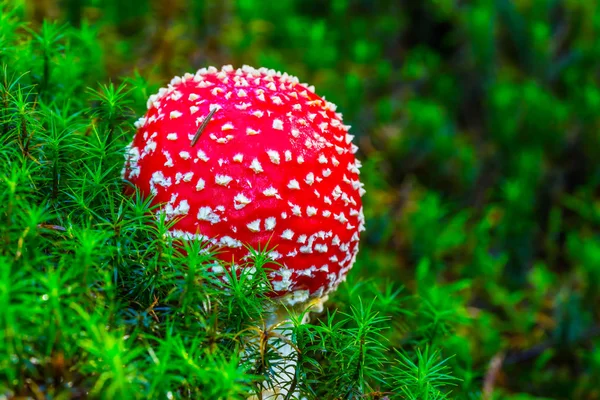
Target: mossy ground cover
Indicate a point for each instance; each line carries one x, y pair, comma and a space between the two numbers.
479, 272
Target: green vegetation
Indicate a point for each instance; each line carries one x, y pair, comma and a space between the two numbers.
479, 273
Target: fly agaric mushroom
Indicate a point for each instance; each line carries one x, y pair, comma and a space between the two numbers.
249, 157
273, 164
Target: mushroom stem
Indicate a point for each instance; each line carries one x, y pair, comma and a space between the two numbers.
278, 333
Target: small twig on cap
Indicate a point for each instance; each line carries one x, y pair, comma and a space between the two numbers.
203, 126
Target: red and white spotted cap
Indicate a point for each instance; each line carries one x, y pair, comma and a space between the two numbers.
273, 164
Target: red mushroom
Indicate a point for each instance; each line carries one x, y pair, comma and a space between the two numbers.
273, 163
253, 157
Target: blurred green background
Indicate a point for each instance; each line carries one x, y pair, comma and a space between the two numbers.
478, 126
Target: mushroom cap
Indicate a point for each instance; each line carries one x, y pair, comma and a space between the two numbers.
274, 166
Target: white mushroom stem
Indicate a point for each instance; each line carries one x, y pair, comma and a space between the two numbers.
280, 340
